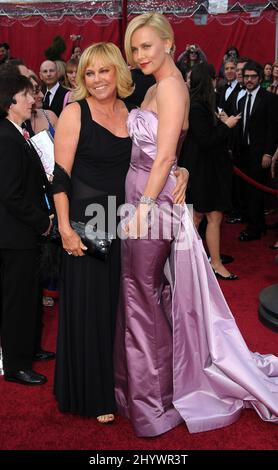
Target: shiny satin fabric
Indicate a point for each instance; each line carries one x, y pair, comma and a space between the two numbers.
179, 355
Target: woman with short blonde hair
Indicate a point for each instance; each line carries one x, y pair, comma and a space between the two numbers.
111, 55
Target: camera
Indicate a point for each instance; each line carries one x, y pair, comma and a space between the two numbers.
75, 37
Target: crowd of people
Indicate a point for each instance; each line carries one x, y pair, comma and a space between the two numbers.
146, 332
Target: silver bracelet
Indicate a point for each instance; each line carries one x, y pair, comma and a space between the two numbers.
146, 200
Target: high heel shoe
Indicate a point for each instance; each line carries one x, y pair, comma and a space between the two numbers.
106, 419
231, 277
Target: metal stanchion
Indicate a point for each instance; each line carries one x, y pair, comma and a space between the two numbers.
1, 362
268, 309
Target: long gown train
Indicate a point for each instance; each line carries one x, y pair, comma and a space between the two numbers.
179, 354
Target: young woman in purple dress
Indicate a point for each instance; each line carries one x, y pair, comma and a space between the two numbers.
179, 355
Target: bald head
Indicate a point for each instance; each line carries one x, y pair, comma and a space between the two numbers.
49, 73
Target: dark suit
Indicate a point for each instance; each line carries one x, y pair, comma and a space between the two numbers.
142, 84
230, 108
58, 101
24, 217
229, 105
205, 154
262, 140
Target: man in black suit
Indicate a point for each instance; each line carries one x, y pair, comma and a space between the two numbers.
55, 93
239, 91
228, 97
257, 140
142, 83
24, 218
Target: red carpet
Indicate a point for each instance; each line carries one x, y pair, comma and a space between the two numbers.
30, 419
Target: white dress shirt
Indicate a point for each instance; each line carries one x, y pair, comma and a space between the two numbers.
52, 92
230, 89
19, 128
240, 95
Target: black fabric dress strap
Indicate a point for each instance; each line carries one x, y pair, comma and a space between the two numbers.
61, 181
85, 110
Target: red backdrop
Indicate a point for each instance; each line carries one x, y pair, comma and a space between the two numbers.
29, 43
256, 40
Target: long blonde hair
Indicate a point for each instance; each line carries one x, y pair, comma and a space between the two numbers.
110, 55
156, 21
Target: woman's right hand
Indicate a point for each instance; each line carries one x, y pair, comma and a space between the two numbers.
222, 116
72, 242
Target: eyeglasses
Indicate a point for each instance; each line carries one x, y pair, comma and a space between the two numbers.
252, 77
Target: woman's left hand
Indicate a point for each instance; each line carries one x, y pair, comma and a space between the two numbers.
137, 227
182, 176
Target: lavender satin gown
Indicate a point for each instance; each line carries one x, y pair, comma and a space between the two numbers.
179, 355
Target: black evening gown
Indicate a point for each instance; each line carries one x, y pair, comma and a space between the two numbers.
205, 154
89, 287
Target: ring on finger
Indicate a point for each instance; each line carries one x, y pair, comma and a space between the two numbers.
69, 252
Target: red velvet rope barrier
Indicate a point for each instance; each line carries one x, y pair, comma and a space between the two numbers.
255, 183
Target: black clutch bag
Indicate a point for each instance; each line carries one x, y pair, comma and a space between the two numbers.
98, 242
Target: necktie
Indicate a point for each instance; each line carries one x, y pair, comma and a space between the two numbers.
46, 100
247, 119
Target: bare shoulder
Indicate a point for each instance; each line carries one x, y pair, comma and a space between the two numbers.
71, 111
68, 124
173, 86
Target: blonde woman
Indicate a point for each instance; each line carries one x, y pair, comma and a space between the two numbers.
179, 355
92, 153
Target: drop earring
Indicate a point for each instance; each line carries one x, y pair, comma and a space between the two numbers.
167, 50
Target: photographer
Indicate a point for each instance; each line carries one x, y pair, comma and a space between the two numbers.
76, 50
191, 56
